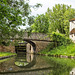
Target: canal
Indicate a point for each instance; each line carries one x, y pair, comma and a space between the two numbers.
29, 64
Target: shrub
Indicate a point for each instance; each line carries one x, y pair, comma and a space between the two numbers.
60, 39
50, 45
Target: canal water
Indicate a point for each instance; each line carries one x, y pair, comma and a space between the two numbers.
29, 64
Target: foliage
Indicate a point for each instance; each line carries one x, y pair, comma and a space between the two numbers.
59, 46
40, 24
68, 50
28, 30
63, 50
54, 19
13, 13
62, 66
6, 54
49, 47
59, 18
60, 39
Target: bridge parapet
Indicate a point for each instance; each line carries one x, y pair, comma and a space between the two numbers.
40, 36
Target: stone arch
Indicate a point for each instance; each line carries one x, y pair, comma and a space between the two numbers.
32, 46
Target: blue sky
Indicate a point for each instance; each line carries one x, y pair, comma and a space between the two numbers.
46, 4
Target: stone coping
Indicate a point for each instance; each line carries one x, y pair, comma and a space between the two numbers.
61, 56
4, 57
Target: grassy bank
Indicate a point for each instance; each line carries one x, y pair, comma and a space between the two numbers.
68, 50
2, 54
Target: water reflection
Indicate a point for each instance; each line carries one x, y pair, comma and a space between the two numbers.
25, 61
72, 72
29, 64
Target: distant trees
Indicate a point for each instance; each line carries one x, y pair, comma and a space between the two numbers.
54, 19
14, 13
40, 24
59, 18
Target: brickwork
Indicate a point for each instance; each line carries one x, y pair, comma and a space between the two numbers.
40, 45
37, 36
7, 49
40, 42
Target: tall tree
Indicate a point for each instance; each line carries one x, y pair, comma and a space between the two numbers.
13, 13
40, 24
59, 18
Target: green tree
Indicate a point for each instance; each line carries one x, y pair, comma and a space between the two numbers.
13, 13
59, 18
40, 24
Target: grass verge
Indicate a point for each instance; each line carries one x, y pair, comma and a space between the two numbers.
68, 50
2, 54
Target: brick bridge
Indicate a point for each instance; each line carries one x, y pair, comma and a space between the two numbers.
35, 42
35, 37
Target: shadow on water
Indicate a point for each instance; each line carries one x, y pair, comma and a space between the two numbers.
30, 64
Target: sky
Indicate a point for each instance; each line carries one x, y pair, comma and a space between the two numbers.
50, 4
46, 4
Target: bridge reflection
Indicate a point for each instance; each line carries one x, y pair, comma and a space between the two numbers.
25, 61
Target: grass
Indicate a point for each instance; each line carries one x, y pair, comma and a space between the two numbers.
2, 54
4, 60
68, 50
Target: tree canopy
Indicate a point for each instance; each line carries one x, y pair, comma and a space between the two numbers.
40, 24
59, 18
13, 13
54, 19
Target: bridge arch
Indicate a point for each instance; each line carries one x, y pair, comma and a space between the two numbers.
30, 47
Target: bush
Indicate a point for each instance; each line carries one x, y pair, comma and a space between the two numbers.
50, 45
60, 39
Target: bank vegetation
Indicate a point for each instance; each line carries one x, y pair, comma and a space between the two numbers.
62, 45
